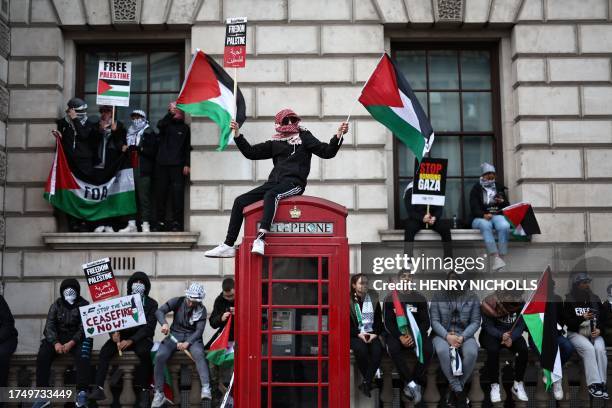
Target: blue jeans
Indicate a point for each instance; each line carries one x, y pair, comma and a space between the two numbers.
501, 225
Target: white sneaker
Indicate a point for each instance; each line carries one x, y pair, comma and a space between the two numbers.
259, 246
557, 388
108, 228
206, 394
159, 399
221, 251
495, 394
498, 263
100, 229
518, 389
145, 227
131, 227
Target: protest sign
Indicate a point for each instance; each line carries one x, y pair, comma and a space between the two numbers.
234, 55
114, 79
100, 279
429, 186
112, 315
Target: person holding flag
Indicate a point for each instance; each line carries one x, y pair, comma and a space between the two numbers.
503, 327
366, 326
291, 149
406, 321
455, 319
583, 318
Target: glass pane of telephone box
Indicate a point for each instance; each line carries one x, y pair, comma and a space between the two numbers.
295, 268
285, 293
299, 371
295, 397
285, 345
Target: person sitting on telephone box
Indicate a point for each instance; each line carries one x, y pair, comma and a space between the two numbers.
422, 216
222, 310
63, 334
185, 334
407, 334
138, 339
291, 150
487, 200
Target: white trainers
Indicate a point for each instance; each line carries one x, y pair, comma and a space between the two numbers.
205, 393
99, 229
498, 263
108, 228
495, 393
259, 246
557, 389
145, 227
159, 399
518, 389
131, 227
221, 251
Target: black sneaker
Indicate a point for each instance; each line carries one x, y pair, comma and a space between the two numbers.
97, 393
604, 391
158, 227
595, 390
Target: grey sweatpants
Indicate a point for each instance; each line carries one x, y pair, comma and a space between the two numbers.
469, 354
594, 357
166, 349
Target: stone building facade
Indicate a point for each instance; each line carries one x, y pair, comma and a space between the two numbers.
553, 115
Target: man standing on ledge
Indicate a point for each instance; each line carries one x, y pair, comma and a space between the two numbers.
291, 150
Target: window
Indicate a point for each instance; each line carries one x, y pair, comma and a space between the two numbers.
457, 85
157, 75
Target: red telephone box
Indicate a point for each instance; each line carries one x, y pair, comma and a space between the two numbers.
292, 308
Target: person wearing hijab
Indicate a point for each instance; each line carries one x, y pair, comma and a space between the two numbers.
487, 199
503, 327
419, 218
583, 319
142, 146
138, 339
77, 135
172, 167
63, 334
366, 326
185, 334
455, 319
291, 149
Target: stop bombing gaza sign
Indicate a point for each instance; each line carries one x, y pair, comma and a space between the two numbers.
429, 185
114, 79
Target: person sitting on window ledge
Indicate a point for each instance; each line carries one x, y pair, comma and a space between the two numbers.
172, 168
487, 200
419, 218
291, 150
142, 145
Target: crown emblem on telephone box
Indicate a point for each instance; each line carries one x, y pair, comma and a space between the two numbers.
295, 212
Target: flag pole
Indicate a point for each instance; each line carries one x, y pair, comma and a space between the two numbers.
235, 97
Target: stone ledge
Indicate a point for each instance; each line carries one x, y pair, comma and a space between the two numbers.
117, 240
425, 235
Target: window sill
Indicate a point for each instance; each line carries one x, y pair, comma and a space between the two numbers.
118, 240
425, 235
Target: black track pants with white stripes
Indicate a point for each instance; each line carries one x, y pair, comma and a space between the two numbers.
271, 193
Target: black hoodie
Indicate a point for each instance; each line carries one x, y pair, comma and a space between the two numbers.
291, 162
174, 145
478, 208
146, 331
79, 143
221, 306
576, 304
64, 320
8, 331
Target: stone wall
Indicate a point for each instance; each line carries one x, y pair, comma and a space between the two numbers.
313, 56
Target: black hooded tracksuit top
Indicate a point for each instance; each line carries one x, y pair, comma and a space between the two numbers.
64, 320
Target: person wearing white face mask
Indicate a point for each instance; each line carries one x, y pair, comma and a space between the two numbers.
138, 339
64, 334
142, 147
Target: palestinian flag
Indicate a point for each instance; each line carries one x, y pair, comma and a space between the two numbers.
403, 318
221, 352
522, 218
168, 392
209, 91
114, 87
89, 200
540, 316
390, 100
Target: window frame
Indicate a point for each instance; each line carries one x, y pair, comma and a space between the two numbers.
144, 47
496, 132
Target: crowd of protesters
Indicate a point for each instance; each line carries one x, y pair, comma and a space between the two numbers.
97, 147
447, 326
